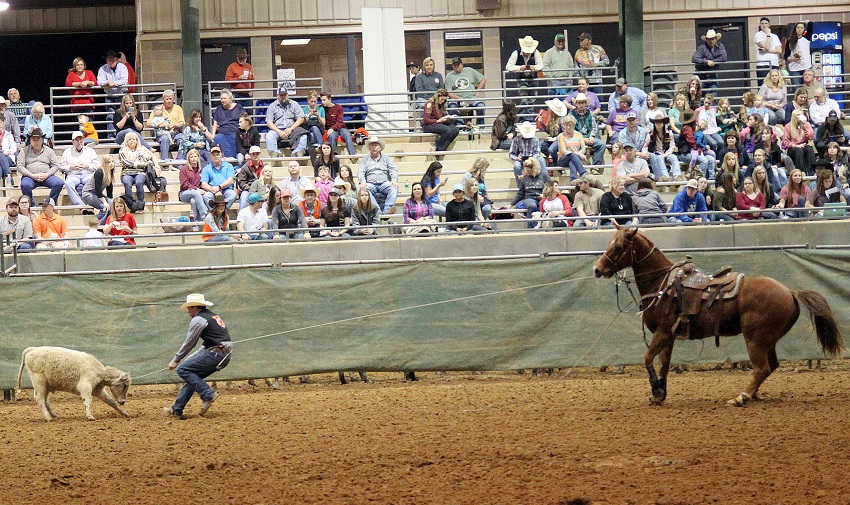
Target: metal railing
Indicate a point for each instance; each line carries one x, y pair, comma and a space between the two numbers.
64, 114
731, 80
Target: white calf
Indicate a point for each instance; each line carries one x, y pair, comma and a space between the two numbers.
59, 369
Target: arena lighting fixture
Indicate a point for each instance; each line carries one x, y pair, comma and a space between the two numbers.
294, 42
4, 6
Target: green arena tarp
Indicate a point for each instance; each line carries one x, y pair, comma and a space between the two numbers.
441, 315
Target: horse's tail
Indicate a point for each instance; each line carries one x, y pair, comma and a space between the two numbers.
826, 327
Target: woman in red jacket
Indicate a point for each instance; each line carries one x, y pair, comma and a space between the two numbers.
435, 120
82, 81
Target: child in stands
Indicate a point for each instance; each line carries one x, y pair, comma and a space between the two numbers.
87, 127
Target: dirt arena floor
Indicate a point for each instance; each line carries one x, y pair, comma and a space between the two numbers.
457, 438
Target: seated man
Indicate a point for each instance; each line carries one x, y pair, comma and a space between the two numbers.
621, 88
38, 165
821, 105
634, 168
463, 85
689, 200
50, 225
253, 220
78, 163
335, 123
586, 125
284, 118
15, 226
169, 131
218, 178
586, 204
295, 182
591, 98
617, 118
378, 172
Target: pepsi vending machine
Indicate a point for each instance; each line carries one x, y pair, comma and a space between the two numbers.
827, 59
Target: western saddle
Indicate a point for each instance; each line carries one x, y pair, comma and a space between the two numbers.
694, 289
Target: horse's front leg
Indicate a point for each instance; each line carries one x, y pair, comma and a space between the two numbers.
662, 343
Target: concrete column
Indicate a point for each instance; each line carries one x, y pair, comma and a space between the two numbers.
631, 37
191, 39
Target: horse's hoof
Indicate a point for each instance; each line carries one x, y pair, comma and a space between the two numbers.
740, 401
655, 401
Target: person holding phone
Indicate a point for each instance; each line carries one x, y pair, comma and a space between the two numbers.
128, 119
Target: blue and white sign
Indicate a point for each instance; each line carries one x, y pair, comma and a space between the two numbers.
826, 35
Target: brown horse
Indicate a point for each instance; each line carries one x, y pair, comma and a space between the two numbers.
764, 311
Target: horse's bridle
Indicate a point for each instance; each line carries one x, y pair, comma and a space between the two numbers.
634, 255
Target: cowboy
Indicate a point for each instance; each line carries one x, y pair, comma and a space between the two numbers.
212, 357
707, 56
525, 63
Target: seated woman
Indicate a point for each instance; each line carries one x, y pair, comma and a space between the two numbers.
775, 157
288, 219
38, 119
335, 215
826, 189
554, 204
346, 175
840, 161
571, 149
196, 136
460, 210
732, 144
550, 122
314, 118
436, 120
263, 185
121, 225
431, 183
247, 137
616, 202
325, 155
725, 197
775, 94
97, 191
763, 186
191, 191
794, 195
216, 221
135, 161
530, 188
418, 211
471, 191
82, 80
127, 119
662, 160
504, 126
478, 171
830, 131
365, 214
750, 199
775, 175
797, 141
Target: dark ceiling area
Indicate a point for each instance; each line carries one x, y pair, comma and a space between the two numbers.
53, 4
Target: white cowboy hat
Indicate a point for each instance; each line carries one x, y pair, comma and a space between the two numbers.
309, 188
373, 139
195, 300
711, 34
527, 129
557, 107
528, 44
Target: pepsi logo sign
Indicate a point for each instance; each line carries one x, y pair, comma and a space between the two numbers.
826, 37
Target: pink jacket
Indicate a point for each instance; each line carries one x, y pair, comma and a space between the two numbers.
789, 142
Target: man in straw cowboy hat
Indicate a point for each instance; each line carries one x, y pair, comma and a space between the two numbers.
525, 63
707, 57
213, 356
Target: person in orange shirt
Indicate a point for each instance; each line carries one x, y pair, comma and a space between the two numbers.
241, 73
48, 224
